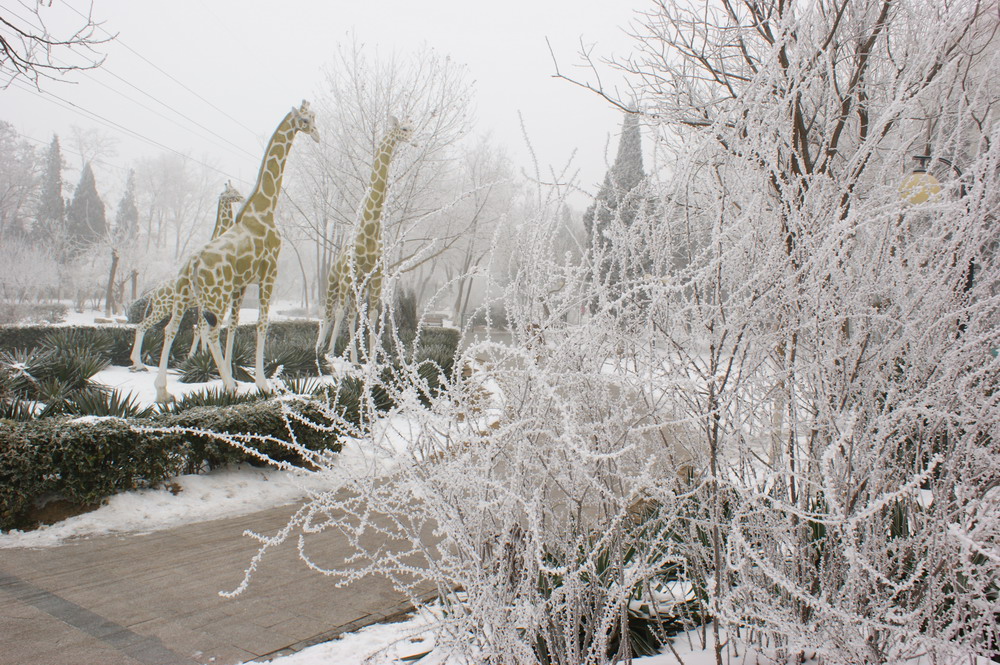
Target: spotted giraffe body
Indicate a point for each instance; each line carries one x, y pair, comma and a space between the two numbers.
245, 254
161, 301
356, 275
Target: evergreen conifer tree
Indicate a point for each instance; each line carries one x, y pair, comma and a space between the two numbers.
127, 216
50, 218
85, 219
620, 199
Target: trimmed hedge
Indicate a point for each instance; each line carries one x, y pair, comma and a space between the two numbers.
261, 419
85, 460
82, 460
118, 339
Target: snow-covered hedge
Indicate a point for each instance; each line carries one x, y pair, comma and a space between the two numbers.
85, 460
82, 460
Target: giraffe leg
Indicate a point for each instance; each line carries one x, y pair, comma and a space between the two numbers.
212, 334
338, 321
374, 305
197, 338
264, 294
234, 320
160, 383
136, 356
324, 330
352, 335
160, 307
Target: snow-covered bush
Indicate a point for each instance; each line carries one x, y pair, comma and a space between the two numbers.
792, 365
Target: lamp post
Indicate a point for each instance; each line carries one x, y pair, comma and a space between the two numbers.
921, 186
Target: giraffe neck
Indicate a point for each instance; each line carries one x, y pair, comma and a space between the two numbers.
262, 201
223, 218
371, 214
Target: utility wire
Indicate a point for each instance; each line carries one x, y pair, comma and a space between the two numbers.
147, 94
244, 151
90, 115
162, 71
63, 148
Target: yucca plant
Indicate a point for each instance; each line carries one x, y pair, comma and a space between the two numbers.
52, 375
77, 342
305, 385
74, 368
21, 410
210, 397
22, 371
294, 362
107, 403
201, 368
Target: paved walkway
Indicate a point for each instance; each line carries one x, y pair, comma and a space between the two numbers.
153, 599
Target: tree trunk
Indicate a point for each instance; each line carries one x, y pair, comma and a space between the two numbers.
109, 294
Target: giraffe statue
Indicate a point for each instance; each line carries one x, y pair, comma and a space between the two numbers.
359, 268
162, 299
245, 254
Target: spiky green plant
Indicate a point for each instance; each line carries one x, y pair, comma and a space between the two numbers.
293, 361
108, 403
216, 396
21, 410
200, 368
306, 385
77, 342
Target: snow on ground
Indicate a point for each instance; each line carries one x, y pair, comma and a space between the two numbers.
202, 497
140, 384
389, 644
89, 317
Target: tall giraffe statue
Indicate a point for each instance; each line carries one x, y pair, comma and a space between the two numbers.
162, 299
245, 254
359, 268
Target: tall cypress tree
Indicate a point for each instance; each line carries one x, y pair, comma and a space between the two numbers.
85, 220
50, 217
127, 216
618, 202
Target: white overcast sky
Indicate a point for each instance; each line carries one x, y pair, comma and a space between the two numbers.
254, 59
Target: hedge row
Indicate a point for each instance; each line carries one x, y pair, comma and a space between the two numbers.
85, 460
119, 339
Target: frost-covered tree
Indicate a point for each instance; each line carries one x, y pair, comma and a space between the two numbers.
85, 219
18, 181
799, 420
127, 214
29, 50
621, 198
50, 216
363, 88
828, 327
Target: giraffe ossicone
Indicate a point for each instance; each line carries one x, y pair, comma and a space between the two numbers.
245, 254
355, 278
161, 301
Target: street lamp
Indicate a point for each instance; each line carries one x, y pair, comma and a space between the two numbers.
921, 186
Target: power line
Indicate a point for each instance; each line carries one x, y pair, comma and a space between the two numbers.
90, 115
162, 71
62, 148
147, 94
167, 106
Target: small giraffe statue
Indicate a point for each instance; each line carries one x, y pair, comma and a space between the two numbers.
245, 254
359, 268
162, 299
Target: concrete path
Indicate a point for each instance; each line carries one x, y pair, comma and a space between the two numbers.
153, 599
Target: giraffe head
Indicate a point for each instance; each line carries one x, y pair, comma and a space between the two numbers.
402, 131
304, 120
230, 194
